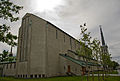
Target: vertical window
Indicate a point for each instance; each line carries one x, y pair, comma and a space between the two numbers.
43, 75
64, 37
56, 34
7, 66
35, 76
75, 44
14, 65
31, 76
26, 76
10, 65
30, 22
71, 43
39, 76
23, 76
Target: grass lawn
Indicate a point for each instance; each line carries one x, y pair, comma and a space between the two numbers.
60, 79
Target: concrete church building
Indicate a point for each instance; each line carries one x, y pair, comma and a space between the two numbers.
44, 50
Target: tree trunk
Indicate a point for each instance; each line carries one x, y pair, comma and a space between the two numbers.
103, 74
98, 73
92, 75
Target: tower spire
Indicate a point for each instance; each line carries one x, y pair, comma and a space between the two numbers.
102, 37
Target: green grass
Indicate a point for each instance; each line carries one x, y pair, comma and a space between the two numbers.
60, 79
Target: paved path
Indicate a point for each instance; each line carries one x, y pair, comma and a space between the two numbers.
108, 74
118, 72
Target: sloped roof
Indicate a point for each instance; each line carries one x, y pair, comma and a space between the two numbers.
82, 55
79, 62
7, 62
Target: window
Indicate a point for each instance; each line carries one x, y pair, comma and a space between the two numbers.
10, 65
75, 44
71, 43
35, 76
31, 76
30, 22
26, 76
23, 76
43, 75
39, 76
56, 34
14, 65
64, 38
7, 66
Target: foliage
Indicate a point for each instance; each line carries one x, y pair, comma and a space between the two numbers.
5, 56
85, 42
7, 11
96, 49
113, 64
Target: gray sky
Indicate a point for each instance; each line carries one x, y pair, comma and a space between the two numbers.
69, 14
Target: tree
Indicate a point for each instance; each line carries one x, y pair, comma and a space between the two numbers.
114, 64
5, 56
86, 45
8, 10
96, 50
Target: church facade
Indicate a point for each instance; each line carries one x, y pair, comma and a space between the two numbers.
44, 50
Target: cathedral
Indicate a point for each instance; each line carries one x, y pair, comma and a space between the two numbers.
44, 50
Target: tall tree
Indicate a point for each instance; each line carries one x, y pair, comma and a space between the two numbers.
96, 50
86, 39
8, 11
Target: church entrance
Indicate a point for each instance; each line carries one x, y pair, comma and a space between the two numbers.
69, 69
83, 70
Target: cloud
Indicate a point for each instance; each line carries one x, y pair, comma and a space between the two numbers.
94, 13
73, 13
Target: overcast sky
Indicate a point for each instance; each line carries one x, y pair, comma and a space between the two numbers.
70, 14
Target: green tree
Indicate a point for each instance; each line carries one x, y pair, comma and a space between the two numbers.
86, 45
5, 56
96, 50
8, 11
114, 64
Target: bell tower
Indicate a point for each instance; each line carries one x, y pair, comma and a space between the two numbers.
104, 46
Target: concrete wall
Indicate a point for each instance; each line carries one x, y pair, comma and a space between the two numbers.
23, 49
39, 46
44, 44
58, 42
9, 69
1, 69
